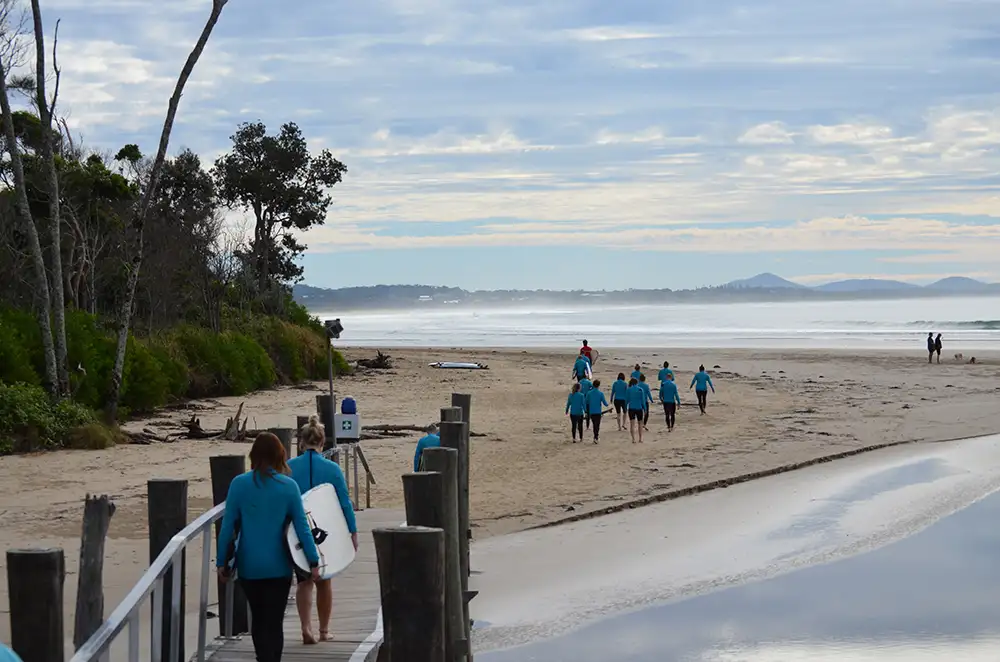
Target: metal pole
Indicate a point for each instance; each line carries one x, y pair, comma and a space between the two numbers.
329, 359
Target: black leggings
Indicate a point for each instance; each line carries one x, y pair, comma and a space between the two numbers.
645, 417
702, 400
595, 420
670, 413
267, 599
576, 423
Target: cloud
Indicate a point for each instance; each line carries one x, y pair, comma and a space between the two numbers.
671, 126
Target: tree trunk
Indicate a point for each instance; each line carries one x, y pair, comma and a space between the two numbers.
43, 304
57, 298
139, 220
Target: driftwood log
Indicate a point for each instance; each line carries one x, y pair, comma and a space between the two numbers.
380, 362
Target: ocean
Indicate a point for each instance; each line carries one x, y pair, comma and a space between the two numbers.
967, 324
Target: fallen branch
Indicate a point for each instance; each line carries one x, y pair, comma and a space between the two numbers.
380, 362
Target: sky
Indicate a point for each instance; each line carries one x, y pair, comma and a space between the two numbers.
570, 144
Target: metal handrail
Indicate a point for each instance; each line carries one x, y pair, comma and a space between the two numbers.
151, 583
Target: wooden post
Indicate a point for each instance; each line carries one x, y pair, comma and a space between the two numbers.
97, 513
454, 435
167, 514
35, 580
411, 583
326, 407
445, 462
464, 402
300, 422
224, 469
286, 436
453, 414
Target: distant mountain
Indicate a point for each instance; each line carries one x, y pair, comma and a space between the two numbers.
866, 285
961, 285
765, 281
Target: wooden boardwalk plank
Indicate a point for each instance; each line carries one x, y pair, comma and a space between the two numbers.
355, 606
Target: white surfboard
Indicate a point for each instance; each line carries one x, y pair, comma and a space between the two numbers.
329, 527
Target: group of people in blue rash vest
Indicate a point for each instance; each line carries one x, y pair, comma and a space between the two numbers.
252, 541
631, 399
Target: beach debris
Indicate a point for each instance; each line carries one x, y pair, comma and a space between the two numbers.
458, 365
380, 362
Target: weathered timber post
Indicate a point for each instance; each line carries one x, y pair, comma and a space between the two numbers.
167, 514
454, 435
445, 462
326, 407
453, 414
224, 469
464, 402
35, 579
411, 582
285, 436
97, 513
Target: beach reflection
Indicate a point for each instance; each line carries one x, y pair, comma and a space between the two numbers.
929, 596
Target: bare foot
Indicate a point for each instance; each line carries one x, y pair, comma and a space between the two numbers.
325, 636
308, 638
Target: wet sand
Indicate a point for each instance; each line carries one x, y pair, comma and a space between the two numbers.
771, 409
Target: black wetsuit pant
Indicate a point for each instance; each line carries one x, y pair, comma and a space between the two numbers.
702, 400
595, 420
576, 423
267, 599
670, 413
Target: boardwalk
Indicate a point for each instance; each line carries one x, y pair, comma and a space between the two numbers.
355, 609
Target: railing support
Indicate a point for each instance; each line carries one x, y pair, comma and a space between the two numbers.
35, 579
167, 513
224, 469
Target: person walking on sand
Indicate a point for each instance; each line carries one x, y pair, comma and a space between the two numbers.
636, 398
636, 372
938, 347
581, 368
664, 371
649, 400
931, 347
671, 399
588, 352
701, 383
618, 397
585, 386
258, 507
430, 440
596, 402
576, 407
309, 470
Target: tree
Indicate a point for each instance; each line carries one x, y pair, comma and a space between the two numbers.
43, 301
142, 210
284, 186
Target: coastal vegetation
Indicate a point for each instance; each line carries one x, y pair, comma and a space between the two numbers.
128, 282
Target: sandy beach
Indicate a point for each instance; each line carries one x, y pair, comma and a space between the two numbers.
771, 409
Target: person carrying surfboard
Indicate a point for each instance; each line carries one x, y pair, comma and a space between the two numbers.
588, 352
309, 470
258, 507
581, 368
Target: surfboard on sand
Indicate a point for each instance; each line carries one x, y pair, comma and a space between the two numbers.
329, 529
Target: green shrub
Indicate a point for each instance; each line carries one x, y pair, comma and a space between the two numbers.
15, 357
29, 421
145, 385
93, 437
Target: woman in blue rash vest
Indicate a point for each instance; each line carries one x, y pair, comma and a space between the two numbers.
671, 399
581, 367
701, 383
596, 402
259, 505
430, 440
636, 372
664, 371
636, 398
618, 390
309, 470
649, 400
576, 407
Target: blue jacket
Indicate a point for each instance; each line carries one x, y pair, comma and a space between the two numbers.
585, 386
662, 376
702, 381
636, 374
576, 404
668, 392
7, 655
429, 441
596, 402
618, 390
313, 469
648, 391
581, 367
261, 507
636, 398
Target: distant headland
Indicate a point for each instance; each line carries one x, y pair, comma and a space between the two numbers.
762, 287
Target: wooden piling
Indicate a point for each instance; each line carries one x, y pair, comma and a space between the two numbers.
453, 414
326, 407
97, 513
445, 462
35, 579
167, 516
455, 435
464, 402
224, 468
411, 563
286, 437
